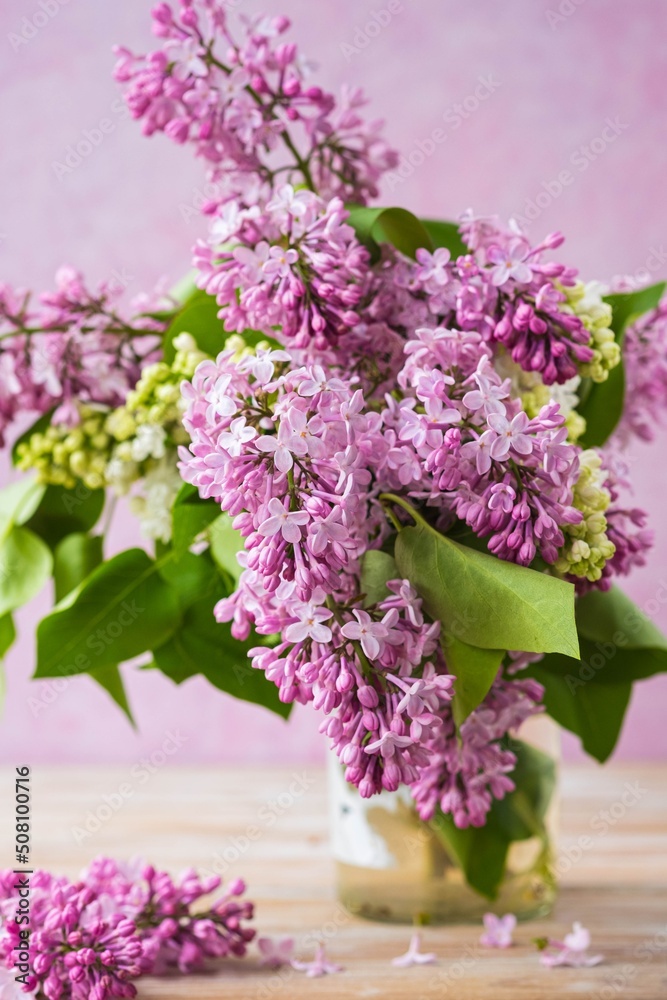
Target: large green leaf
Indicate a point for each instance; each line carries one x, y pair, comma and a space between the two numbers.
521, 814
481, 852
593, 711
111, 680
186, 289
191, 516
25, 566
199, 317
389, 225
64, 512
7, 634
123, 609
7, 638
191, 576
602, 406
627, 306
446, 234
483, 600
226, 542
619, 645
20, 500
202, 646
377, 568
611, 617
74, 559
475, 670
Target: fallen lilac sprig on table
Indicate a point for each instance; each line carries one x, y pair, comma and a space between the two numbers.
92, 938
572, 951
498, 930
413, 956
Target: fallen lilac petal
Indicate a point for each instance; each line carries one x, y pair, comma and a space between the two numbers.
413, 956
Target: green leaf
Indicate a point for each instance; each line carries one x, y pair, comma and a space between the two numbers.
521, 814
610, 616
481, 852
619, 645
389, 225
618, 642
627, 306
602, 407
20, 500
7, 634
74, 559
186, 289
483, 600
225, 542
592, 711
64, 512
199, 318
7, 638
377, 568
123, 609
202, 646
446, 234
191, 516
475, 670
110, 679
25, 566
193, 577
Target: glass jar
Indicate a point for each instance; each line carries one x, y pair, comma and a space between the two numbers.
391, 866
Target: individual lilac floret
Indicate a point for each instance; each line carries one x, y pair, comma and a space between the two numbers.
413, 956
572, 951
498, 930
320, 966
276, 952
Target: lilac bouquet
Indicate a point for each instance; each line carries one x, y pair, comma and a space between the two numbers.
380, 458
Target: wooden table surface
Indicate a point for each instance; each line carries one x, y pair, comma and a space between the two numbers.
613, 851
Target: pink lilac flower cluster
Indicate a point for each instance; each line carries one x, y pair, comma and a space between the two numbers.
626, 525
91, 939
246, 107
529, 320
72, 346
466, 772
297, 265
645, 355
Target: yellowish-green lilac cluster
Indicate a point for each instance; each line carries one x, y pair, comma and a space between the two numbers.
133, 444
587, 547
585, 301
61, 454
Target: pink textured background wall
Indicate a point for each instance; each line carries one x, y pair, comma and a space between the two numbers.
521, 92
